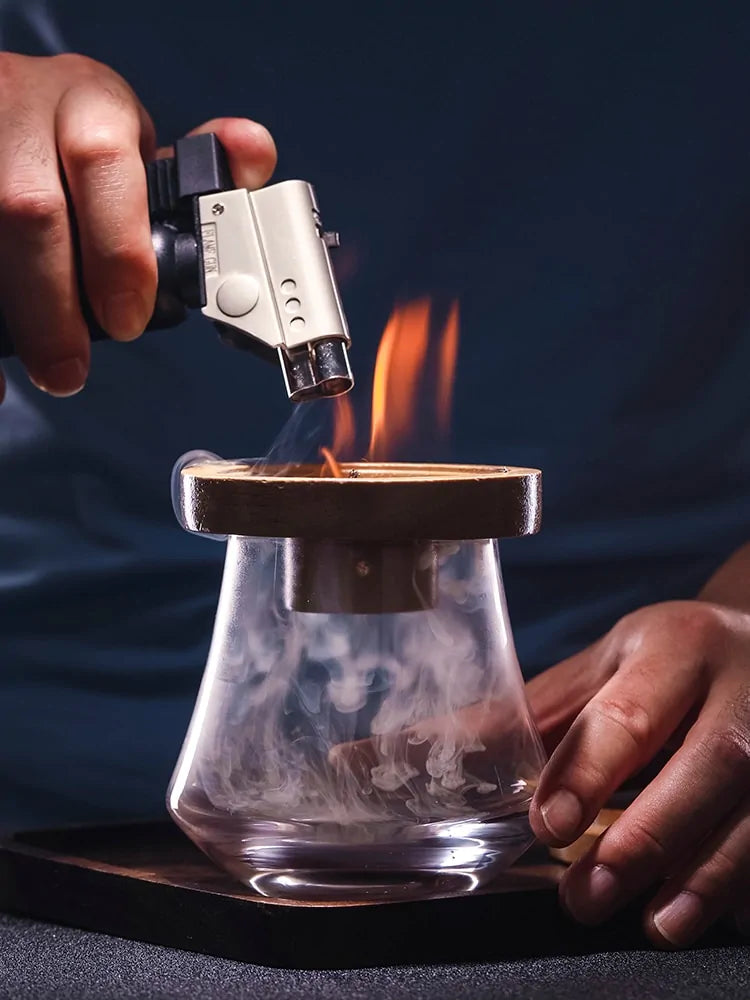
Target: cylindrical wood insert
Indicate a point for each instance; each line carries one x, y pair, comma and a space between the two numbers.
374, 578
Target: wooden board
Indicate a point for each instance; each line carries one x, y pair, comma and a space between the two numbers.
579, 847
148, 882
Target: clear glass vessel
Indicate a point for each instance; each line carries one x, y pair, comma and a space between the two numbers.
361, 731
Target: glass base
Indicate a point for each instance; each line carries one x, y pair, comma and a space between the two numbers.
447, 858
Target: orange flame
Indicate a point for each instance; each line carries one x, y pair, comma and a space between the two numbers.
447, 357
330, 464
399, 369
400, 359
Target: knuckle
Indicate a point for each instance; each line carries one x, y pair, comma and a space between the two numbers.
703, 622
719, 871
134, 259
98, 124
77, 64
587, 778
140, 268
117, 96
42, 209
74, 59
629, 717
631, 620
94, 80
123, 265
729, 747
637, 839
95, 148
719, 877
627, 635
699, 619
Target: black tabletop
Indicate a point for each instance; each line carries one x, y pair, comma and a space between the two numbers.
44, 961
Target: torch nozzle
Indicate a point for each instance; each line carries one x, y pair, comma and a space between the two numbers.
316, 369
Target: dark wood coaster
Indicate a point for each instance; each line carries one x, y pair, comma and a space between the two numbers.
147, 882
372, 502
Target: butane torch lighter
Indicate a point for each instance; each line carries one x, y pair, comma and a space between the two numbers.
255, 262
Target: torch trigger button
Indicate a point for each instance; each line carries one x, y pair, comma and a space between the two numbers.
237, 295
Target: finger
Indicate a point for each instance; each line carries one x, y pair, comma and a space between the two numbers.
99, 134
38, 287
700, 892
615, 735
250, 149
71, 66
666, 825
558, 694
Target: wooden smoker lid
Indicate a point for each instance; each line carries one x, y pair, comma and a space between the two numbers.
378, 502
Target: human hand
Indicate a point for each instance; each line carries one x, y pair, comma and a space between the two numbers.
676, 673
71, 116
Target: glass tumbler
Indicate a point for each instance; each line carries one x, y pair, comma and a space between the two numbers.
361, 731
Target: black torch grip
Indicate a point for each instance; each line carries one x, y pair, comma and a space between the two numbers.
175, 183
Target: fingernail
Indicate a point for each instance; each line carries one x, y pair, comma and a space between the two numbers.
680, 920
65, 378
591, 898
562, 814
125, 315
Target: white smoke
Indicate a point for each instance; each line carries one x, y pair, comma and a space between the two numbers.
361, 721
38, 16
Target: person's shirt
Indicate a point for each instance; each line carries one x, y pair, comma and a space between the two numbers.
578, 176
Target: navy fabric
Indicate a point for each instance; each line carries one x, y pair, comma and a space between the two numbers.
578, 175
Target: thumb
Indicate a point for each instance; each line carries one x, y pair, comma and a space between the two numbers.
558, 694
249, 146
